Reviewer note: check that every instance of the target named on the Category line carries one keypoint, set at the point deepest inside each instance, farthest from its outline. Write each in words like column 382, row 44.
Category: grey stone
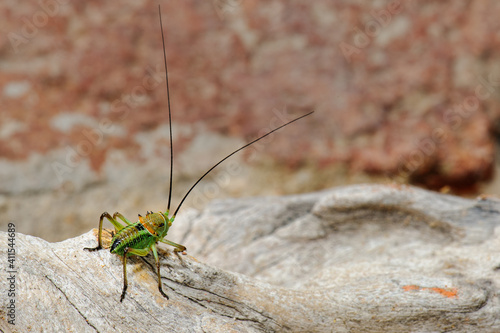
column 365, row 258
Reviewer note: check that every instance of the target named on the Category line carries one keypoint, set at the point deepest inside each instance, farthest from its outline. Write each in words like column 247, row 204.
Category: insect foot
column 91, row 249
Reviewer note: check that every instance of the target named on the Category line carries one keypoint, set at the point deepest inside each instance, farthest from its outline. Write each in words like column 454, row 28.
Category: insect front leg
column 129, row 251
column 178, row 247
column 118, row 226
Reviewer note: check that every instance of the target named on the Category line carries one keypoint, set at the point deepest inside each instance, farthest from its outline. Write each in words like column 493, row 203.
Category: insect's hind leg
column 118, row 226
column 121, row 217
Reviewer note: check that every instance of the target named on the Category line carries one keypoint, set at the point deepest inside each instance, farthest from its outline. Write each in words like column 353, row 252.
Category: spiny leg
column 118, row 226
column 155, row 253
column 178, row 247
column 129, row 251
column 121, row 217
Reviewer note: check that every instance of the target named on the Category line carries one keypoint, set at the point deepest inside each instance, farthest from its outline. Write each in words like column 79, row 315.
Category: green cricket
column 141, row 237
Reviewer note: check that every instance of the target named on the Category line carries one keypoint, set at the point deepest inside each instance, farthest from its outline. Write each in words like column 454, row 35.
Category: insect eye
column 161, row 225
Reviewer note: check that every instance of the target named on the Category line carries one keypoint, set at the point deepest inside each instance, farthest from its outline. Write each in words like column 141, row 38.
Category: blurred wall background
column 404, row 92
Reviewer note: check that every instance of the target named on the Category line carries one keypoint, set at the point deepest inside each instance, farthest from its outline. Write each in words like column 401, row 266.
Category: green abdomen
column 134, row 236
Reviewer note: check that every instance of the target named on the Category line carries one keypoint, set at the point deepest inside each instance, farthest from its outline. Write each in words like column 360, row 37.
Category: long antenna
column 169, row 114
column 234, row 152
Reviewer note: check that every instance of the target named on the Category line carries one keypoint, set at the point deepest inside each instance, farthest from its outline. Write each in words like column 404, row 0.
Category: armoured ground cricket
column 141, row 237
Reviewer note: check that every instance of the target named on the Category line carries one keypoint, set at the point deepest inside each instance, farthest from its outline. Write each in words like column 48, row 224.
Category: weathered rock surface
column 352, row 259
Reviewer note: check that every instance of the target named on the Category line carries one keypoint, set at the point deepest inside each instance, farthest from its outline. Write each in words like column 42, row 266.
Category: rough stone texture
column 83, row 101
column 366, row 258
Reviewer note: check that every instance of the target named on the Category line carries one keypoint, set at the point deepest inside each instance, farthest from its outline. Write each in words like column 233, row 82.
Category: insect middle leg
column 157, row 260
column 118, row 226
column 130, row 251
